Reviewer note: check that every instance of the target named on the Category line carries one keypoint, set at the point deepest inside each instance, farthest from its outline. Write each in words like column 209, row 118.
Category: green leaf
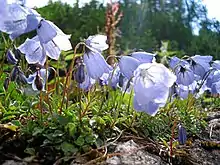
column 9, row 126
column 68, row 148
column 30, row 151
column 80, row 141
column 37, row 131
column 90, row 139
column 71, row 56
column 63, row 120
column 71, row 127
column 57, row 133
column 16, row 123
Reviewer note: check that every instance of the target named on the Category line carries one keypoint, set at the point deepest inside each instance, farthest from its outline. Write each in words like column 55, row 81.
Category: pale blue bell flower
column 97, row 42
column 151, row 87
column 33, row 51
column 128, row 65
column 95, row 63
column 88, row 83
column 181, row 68
column 185, row 75
column 46, row 31
column 216, row 64
column 200, row 64
column 36, row 52
column 17, row 20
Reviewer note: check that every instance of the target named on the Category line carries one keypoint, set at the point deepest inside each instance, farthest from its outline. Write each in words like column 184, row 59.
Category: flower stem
column 69, row 76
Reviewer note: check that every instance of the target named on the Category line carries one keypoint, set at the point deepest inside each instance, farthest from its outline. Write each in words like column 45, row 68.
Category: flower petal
column 128, row 65
column 143, row 57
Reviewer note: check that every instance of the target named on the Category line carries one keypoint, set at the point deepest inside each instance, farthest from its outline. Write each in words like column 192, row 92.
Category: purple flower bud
column 17, row 54
column 14, row 73
column 80, row 73
column 182, row 135
column 6, row 83
column 38, row 82
column 22, row 78
column 121, row 80
column 11, row 57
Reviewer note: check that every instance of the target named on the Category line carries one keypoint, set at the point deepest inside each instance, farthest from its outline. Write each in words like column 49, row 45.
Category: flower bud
column 14, row 73
column 182, row 135
column 22, row 78
column 121, row 80
column 17, row 54
column 80, row 73
column 11, row 57
column 38, row 82
column 6, row 83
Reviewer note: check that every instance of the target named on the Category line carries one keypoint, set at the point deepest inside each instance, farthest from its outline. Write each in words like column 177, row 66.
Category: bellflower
column 213, row 82
column 114, row 77
column 185, row 75
column 200, row 64
column 175, row 62
column 111, row 78
column 35, row 52
column 128, row 65
column 104, row 79
column 47, row 30
column 216, row 64
column 88, row 83
column 93, row 59
column 183, row 91
column 17, row 19
column 151, row 87
column 11, row 57
column 38, row 80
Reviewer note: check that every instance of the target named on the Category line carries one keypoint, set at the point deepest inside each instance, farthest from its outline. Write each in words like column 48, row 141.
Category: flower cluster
column 195, row 75
column 151, row 82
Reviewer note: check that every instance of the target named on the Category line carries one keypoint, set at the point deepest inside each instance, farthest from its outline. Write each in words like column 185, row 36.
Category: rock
column 131, row 154
column 12, row 162
column 213, row 115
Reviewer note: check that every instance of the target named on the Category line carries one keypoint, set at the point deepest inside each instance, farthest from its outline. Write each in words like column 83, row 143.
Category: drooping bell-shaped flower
column 216, row 64
column 128, row 65
column 213, row 82
column 104, row 79
column 35, row 51
column 38, row 80
column 88, row 83
column 200, row 64
column 95, row 63
column 151, row 87
column 97, row 42
column 31, row 23
column 46, row 31
column 185, row 75
column 175, row 61
column 17, row 19
column 18, row 75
